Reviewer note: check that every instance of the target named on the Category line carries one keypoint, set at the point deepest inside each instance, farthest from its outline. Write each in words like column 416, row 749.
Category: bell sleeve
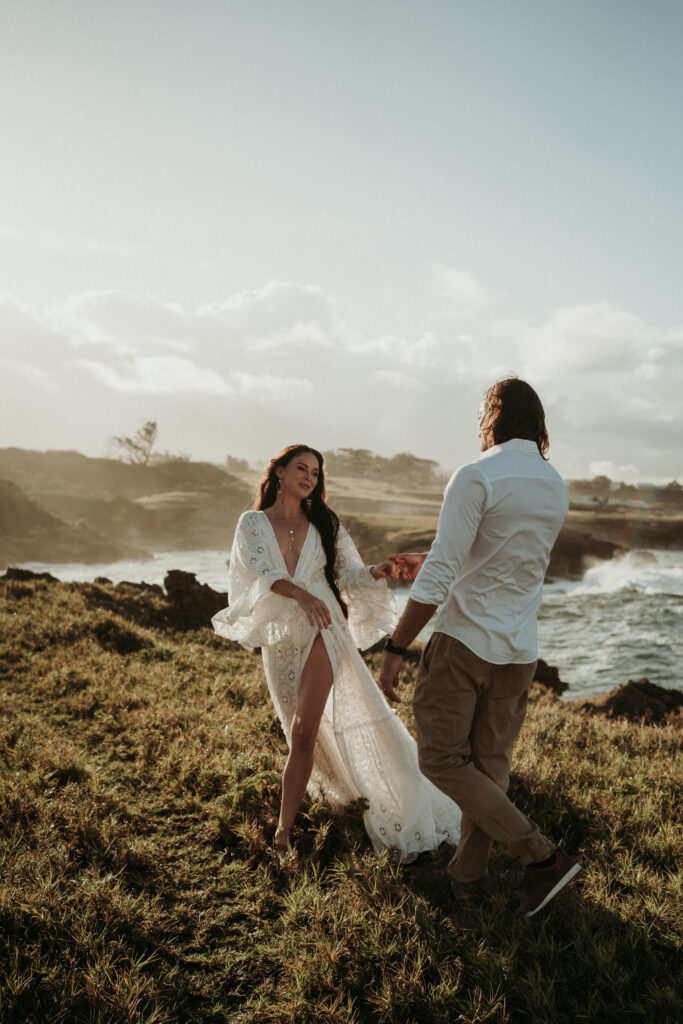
column 372, row 609
column 255, row 616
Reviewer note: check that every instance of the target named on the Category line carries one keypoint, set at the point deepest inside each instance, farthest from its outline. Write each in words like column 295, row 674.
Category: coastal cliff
column 63, row 506
column 28, row 533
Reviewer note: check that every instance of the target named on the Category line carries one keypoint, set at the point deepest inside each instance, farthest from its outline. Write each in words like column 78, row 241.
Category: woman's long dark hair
column 314, row 508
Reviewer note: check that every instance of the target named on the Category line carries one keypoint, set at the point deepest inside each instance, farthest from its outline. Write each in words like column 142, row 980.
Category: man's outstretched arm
column 414, row 618
column 461, row 512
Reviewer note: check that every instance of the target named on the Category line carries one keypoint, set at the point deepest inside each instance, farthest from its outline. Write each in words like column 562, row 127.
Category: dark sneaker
column 541, row 885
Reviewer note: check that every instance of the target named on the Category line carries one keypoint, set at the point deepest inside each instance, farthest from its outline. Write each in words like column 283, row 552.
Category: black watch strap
column 391, row 647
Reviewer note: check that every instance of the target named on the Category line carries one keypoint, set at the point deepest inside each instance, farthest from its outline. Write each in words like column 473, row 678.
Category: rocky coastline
column 65, row 507
column 584, row 539
column 184, row 604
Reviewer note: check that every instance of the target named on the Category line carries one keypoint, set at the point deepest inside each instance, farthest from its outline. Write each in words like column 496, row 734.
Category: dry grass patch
column 139, row 787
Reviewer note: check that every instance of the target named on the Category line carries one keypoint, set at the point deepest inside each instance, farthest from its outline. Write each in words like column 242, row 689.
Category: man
column 484, row 572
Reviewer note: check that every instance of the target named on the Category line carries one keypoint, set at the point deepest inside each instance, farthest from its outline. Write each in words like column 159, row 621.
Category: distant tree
column 578, row 488
column 413, row 471
column 403, row 468
column 600, row 488
column 138, row 448
column 353, row 462
column 672, row 493
column 235, row 465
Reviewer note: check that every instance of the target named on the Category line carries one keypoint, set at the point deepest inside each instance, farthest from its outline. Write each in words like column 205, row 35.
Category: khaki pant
column 468, row 714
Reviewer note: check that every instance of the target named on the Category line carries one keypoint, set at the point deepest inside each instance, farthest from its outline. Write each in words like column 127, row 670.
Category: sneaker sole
column 573, row 871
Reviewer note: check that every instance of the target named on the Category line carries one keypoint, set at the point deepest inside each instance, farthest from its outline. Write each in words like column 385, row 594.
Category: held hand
column 408, row 564
column 384, row 570
column 388, row 676
column 316, row 610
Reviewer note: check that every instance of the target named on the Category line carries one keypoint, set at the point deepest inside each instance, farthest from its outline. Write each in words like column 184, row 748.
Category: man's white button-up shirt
column 499, row 520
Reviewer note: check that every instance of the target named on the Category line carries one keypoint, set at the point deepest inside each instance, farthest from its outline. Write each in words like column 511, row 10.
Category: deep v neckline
column 277, row 545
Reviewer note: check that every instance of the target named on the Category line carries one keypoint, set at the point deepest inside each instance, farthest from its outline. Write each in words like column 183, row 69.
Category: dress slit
column 306, row 654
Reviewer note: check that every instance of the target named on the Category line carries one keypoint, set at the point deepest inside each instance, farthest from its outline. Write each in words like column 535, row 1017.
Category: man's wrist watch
column 392, row 648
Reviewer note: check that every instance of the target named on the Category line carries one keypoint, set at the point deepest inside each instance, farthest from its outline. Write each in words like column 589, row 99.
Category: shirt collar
column 515, row 444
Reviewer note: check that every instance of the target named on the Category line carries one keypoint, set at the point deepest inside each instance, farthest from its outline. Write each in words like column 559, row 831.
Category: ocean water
column 209, row 566
column 623, row 620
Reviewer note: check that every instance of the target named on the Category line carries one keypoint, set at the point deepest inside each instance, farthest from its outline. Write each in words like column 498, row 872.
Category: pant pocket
column 423, row 664
column 510, row 681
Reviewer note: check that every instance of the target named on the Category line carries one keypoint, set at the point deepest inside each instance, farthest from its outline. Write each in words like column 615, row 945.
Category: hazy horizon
column 259, row 224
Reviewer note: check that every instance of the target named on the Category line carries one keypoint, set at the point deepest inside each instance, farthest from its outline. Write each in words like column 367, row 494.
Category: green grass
column 139, row 784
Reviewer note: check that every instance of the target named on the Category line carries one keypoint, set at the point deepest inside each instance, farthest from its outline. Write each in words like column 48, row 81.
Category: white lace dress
column 363, row 747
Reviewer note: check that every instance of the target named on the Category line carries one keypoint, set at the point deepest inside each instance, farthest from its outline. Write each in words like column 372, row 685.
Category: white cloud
column 263, row 367
column 611, row 384
column 300, row 335
column 28, row 336
column 280, row 313
column 267, row 387
column 169, row 375
column 124, row 321
column 161, row 375
column 584, row 339
column 450, row 355
column 465, row 292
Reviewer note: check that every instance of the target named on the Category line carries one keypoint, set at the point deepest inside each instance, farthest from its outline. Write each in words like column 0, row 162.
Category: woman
column 299, row 590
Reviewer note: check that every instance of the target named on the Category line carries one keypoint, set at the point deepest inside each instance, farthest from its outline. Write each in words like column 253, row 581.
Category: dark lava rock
column 549, row 677
column 185, row 603
column 640, row 701
column 142, row 587
column 574, row 550
column 194, row 604
column 546, row 685
column 23, row 575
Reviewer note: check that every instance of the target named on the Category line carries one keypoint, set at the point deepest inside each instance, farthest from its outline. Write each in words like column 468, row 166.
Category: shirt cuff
column 422, row 596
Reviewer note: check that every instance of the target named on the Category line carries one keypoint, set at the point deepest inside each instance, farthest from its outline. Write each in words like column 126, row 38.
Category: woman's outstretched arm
column 408, row 564
column 384, row 570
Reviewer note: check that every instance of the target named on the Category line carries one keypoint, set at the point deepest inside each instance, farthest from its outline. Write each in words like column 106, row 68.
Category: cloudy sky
column 336, row 221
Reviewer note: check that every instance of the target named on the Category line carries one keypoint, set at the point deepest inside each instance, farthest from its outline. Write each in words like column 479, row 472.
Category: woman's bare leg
column 316, row 682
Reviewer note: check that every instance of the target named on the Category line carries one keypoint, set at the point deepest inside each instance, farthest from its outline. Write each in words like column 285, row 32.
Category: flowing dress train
column 363, row 748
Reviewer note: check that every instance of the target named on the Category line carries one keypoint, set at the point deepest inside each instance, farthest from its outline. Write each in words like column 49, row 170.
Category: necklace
column 292, row 533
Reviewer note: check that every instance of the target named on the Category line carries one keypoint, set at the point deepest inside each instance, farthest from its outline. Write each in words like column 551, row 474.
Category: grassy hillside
column 139, row 793
column 29, row 533
column 41, row 474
